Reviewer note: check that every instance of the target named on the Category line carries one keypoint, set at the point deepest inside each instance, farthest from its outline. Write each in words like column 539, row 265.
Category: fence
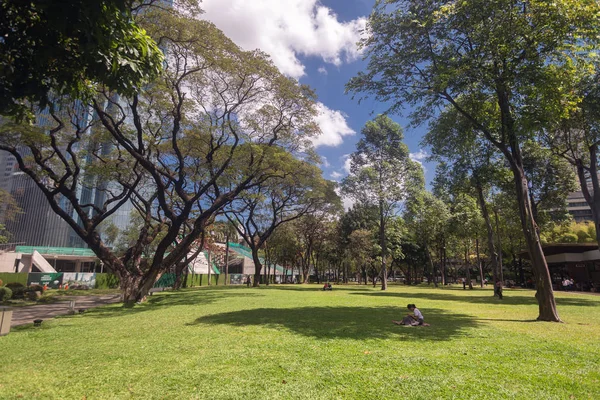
column 10, row 277
column 111, row 281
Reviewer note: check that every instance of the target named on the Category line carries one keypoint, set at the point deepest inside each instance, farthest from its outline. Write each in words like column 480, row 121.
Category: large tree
column 295, row 189
column 428, row 217
column 468, row 163
column 493, row 62
column 382, row 175
column 178, row 152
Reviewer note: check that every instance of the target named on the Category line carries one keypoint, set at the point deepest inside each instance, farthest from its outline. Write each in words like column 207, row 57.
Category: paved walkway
column 26, row 315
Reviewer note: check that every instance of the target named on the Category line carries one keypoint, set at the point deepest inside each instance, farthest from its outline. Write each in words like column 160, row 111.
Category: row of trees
column 467, row 223
column 510, row 71
column 217, row 131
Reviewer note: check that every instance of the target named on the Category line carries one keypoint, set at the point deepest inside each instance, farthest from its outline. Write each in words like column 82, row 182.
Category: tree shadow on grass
column 154, row 302
column 169, row 299
column 347, row 322
column 315, row 288
column 509, row 299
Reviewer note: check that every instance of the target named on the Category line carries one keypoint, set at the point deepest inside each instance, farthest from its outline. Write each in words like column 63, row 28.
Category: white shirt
column 418, row 314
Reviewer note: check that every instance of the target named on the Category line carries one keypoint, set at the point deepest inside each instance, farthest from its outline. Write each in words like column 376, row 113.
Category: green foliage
column 216, row 123
column 574, row 232
column 32, row 295
column 106, row 281
column 66, row 48
column 381, row 172
column 36, row 288
column 5, row 294
column 18, row 289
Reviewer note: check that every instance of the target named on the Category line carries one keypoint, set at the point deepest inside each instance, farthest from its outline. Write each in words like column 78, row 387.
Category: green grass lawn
column 298, row 342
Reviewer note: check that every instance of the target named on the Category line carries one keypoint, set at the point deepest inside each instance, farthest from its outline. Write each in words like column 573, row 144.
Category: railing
column 247, row 252
column 63, row 251
column 10, row 246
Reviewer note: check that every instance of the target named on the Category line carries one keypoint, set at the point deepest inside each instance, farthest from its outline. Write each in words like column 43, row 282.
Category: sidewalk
column 26, row 315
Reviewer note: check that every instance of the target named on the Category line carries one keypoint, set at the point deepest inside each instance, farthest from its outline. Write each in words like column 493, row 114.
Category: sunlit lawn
column 287, row 342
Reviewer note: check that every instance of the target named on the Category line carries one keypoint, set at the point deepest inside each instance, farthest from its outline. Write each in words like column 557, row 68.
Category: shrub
column 106, row 281
column 18, row 290
column 33, row 295
column 47, row 298
column 568, row 238
column 37, row 288
column 5, row 293
column 14, row 285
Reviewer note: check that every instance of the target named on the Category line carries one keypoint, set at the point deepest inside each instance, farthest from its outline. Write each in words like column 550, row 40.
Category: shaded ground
column 346, row 322
column 27, row 314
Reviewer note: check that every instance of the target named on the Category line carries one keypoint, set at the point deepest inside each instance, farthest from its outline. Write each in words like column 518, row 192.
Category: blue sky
column 315, row 42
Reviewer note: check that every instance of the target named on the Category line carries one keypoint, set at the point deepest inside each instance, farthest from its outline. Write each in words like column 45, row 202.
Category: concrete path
column 26, row 315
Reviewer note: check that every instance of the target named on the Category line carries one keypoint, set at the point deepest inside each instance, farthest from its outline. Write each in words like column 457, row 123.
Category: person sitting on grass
column 414, row 319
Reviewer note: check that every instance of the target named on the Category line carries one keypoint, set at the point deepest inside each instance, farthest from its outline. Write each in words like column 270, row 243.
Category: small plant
column 33, row 295
column 18, row 289
column 5, row 294
column 37, row 288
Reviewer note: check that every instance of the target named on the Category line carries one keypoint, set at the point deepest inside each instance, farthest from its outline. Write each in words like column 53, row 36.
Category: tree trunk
column 209, row 267
column 268, row 273
column 490, row 231
column 591, row 197
column 383, row 244
column 479, row 263
column 544, row 293
column 468, row 267
column 179, row 275
column 135, row 288
column 257, row 267
column 431, row 265
column 227, row 259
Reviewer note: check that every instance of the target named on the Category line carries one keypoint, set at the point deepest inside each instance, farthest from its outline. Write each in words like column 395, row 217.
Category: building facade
column 38, row 224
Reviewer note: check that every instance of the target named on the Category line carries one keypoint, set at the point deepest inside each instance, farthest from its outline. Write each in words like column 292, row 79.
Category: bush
column 5, row 293
column 18, row 289
column 568, row 238
column 36, row 288
column 33, row 295
column 106, row 281
column 15, row 285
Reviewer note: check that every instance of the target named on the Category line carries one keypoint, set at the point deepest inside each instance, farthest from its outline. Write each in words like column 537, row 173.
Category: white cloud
column 287, row 29
column 347, row 161
column 322, row 70
column 333, row 127
column 347, row 202
column 325, row 162
column 419, row 156
column 336, row 175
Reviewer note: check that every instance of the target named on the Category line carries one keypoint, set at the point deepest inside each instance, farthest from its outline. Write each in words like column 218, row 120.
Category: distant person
column 248, row 282
column 464, row 282
column 415, row 318
column 498, row 289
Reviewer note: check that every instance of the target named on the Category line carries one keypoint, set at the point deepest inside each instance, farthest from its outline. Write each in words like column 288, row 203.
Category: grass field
column 297, row 342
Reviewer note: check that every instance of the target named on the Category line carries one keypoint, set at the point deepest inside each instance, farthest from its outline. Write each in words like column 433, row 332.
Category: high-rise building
column 578, row 207
column 38, row 224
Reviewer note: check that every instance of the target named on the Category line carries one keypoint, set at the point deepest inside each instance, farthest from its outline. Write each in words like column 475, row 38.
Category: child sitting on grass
column 414, row 319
